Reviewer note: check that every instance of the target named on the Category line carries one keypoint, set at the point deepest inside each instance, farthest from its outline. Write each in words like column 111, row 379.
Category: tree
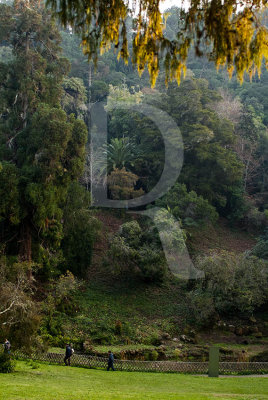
column 231, row 33
column 41, row 148
column 80, row 231
column 98, row 91
column 74, row 97
column 229, row 107
column 119, row 153
column 122, row 94
column 121, row 184
column 18, row 311
column 211, row 168
column 250, row 131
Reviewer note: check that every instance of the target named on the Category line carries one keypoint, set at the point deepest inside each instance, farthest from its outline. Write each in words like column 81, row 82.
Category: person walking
column 7, row 346
column 110, row 361
column 68, row 354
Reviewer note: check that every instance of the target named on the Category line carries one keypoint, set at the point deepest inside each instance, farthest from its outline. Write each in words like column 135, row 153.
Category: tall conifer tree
column 41, row 148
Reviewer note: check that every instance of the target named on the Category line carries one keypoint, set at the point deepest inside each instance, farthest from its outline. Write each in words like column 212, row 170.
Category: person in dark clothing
column 68, row 355
column 7, row 346
column 110, row 361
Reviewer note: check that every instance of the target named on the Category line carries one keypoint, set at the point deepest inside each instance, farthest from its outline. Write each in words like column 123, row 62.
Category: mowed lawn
column 50, row 382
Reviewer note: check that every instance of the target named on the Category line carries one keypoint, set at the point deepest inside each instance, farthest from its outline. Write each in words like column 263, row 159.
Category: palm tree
column 120, row 153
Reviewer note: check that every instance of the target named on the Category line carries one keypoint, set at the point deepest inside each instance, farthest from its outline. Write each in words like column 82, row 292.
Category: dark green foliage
column 232, row 284
column 214, row 166
column 9, row 193
column 43, row 149
column 7, row 364
column 261, row 248
column 80, row 231
column 98, row 91
column 60, row 302
column 210, row 168
column 152, row 356
column 154, row 340
column 191, row 209
column 135, row 253
column 120, row 153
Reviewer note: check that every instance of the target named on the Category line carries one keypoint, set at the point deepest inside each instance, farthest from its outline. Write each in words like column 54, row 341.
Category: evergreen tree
column 41, row 148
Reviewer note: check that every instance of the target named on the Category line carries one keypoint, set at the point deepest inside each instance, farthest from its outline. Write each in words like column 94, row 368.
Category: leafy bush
column 202, row 308
column 151, row 356
column 191, row 209
column 135, row 252
column 261, row 248
column 103, row 338
column 232, row 283
column 153, row 340
column 154, row 355
column 255, row 219
column 7, row 364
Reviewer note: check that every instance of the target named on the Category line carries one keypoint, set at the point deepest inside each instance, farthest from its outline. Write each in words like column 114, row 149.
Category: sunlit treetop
column 232, row 33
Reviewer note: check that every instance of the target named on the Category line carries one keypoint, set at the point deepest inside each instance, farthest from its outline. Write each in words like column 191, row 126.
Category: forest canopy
column 231, row 33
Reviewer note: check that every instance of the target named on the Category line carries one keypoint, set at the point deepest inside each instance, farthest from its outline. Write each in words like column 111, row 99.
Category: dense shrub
column 261, row 248
column 151, row 356
column 202, row 308
column 191, row 209
column 135, row 252
column 7, row 364
column 232, row 283
column 255, row 219
column 154, row 340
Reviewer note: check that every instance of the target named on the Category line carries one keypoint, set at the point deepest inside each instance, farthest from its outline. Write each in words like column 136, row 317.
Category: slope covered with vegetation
column 72, row 272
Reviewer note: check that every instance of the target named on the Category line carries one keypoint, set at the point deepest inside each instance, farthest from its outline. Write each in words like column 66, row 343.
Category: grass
column 104, row 349
column 63, row 383
column 136, row 307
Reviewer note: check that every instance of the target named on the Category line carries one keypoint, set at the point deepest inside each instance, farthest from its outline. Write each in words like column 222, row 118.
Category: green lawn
column 64, row 383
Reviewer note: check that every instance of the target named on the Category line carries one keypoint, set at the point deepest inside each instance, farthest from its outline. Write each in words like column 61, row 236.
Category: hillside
column 222, row 236
column 189, row 153
column 142, row 321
